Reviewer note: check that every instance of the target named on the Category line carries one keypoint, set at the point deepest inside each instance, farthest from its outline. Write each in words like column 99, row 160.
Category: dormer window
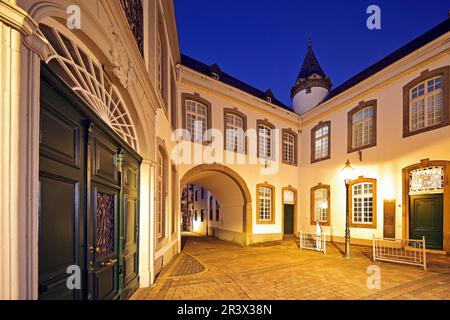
column 269, row 99
column 215, row 76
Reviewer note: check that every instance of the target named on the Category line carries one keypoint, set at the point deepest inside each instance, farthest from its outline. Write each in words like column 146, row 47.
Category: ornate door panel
column 130, row 227
column 103, row 217
column 88, row 200
column 61, row 194
column 426, row 219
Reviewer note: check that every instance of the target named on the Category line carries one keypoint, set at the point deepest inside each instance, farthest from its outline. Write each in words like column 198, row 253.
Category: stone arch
column 207, row 171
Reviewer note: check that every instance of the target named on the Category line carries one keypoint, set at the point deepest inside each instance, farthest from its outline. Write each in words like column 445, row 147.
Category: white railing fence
column 405, row 251
column 313, row 241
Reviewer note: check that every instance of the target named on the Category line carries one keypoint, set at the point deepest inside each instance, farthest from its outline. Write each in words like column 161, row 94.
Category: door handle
column 96, row 250
column 109, row 263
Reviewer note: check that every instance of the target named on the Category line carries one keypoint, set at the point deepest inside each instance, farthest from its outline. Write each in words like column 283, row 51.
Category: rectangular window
column 289, row 148
column 173, row 100
column 427, row 104
column 363, row 128
column 202, row 215
column 160, row 203
column 265, row 204
column 264, row 141
column 320, row 136
column 321, row 205
column 159, row 63
column 235, row 134
column 196, row 120
column 363, row 203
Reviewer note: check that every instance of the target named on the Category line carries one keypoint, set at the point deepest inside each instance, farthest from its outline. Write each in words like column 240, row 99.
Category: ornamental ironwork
column 135, row 15
column 426, row 180
column 84, row 74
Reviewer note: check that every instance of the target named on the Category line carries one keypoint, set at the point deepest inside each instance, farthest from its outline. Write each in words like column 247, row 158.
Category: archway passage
column 233, row 195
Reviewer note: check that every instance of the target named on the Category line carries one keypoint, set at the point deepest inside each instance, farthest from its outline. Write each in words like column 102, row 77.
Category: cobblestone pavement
column 210, row 269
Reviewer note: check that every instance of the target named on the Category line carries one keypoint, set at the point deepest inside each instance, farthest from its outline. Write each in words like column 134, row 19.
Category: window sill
column 351, row 149
column 363, row 226
column 322, row 224
column 319, row 160
column 407, row 133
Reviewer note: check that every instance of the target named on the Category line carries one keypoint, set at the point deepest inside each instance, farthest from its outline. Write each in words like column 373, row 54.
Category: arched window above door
column 84, row 75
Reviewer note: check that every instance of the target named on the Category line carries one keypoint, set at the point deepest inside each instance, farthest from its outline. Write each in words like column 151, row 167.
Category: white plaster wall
column 383, row 162
column 284, row 175
column 303, row 102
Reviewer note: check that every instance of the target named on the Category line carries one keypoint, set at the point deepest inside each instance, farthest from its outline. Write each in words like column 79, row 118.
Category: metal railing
column 313, row 241
column 405, row 251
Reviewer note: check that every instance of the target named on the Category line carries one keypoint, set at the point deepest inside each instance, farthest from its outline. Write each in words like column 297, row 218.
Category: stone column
column 21, row 50
column 146, row 224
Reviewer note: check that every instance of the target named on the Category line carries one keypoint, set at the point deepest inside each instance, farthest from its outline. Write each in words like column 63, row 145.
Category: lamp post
column 347, row 173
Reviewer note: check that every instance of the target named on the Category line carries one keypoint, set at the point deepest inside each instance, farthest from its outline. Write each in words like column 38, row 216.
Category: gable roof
column 230, row 80
column 395, row 56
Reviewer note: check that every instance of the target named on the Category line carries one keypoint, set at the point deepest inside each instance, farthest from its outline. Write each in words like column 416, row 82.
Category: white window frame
column 366, row 123
column 321, row 210
column 265, row 142
column 196, row 115
column 265, row 200
column 322, row 142
column 235, row 135
column 289, row 148
column 422, row 104
column 365, row 200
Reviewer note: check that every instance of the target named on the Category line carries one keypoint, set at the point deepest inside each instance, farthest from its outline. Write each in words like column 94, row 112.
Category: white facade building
column 92, row 153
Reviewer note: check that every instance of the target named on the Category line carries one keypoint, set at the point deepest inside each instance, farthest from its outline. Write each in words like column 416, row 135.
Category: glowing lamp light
column 348, row 172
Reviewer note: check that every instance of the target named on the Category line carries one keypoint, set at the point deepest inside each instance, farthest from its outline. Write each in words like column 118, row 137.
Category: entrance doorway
column 426, row 219
column 289, row 204
column 425, row 203
column 88, row 208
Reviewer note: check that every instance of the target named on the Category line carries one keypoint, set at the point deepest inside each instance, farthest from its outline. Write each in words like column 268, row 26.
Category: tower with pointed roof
column 312, row 84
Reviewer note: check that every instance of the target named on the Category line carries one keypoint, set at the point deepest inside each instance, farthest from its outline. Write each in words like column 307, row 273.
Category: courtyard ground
column 210, row 269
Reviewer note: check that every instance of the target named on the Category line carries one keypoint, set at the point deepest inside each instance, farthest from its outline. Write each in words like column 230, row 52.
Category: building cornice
column 414, row 61
column 303, row 84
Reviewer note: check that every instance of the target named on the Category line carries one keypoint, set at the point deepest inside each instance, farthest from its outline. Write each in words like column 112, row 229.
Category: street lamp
column 348, row 173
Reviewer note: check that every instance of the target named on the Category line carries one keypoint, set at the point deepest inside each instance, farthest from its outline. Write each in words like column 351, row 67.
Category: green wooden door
column 88, row 200
column 62, row 164
column 426, row 219
column 288, row 219
column 129, row 240
column 103, row 216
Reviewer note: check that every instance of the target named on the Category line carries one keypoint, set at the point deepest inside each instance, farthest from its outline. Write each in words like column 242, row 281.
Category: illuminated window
column 196, row 119
column 235, row 133
column 427, row 104
column 265, row 140
column 289, row 147
column 363, row 126
column 265, row 204
column 320, row 204
column 363, row 202
column 320, row 136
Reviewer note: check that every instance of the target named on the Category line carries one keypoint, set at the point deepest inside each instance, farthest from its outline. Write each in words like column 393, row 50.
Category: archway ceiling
column 225, row 189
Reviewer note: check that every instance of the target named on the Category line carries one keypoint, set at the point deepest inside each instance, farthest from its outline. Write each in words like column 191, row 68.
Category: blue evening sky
column 263, row 42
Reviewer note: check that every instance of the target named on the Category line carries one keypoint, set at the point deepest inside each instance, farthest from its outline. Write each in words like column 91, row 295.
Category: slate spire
column 310, row 64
